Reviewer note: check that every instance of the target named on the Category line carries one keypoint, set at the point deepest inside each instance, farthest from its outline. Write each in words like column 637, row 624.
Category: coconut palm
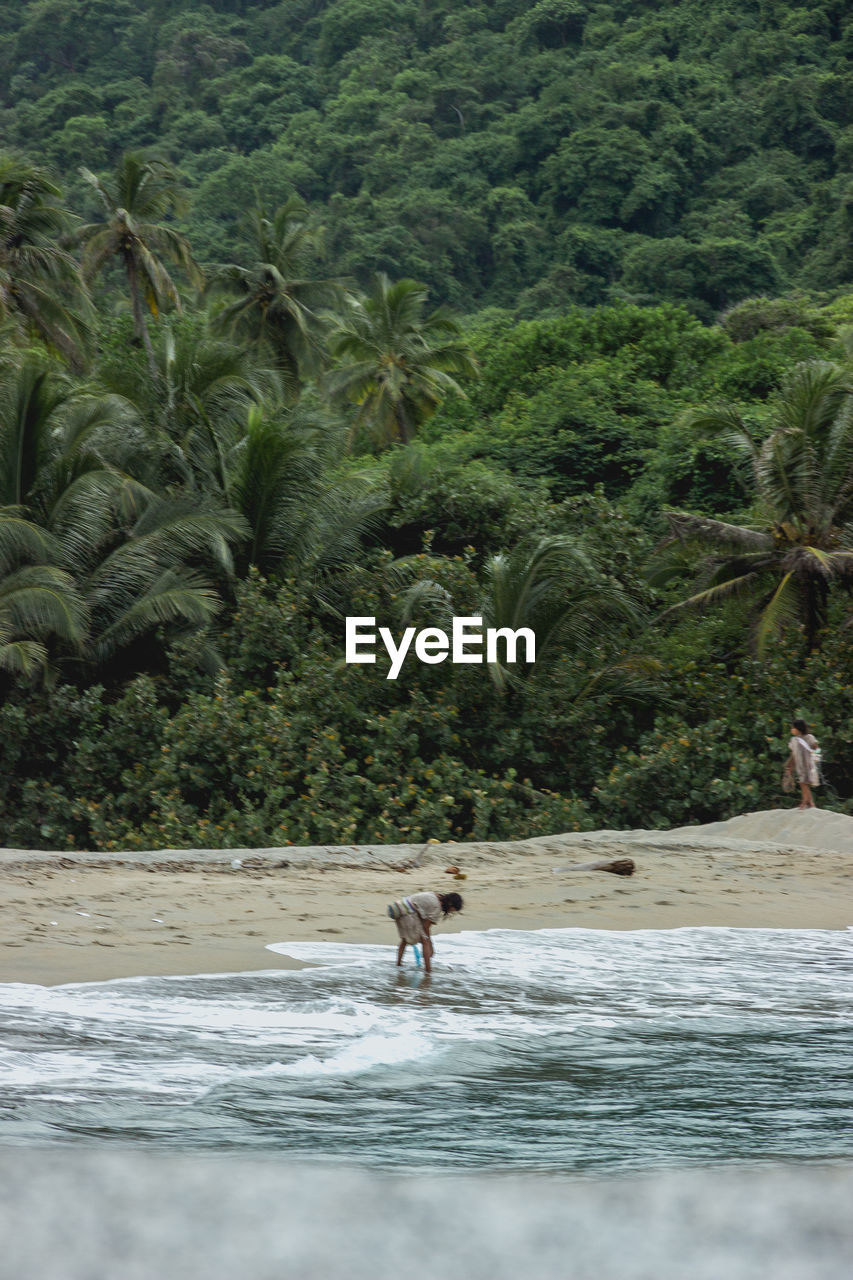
column 553, row 586
column 196, row 413
column 41, row 288
column 38, row 601
column 277, row 301
column 394, row 362
column 163, row 572
column 306, row 516
column 801, row 540
column 137, row 559
column 59, row 442
column 136, row 199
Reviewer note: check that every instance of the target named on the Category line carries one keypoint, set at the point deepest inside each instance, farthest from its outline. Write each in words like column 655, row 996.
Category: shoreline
column 95, row 917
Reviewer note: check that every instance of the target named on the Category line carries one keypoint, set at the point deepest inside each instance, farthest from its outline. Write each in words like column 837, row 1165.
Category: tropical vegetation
column 535, row 313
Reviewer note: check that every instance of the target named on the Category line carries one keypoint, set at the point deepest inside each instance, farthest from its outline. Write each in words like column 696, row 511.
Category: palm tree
column 38, row 601
column 394, row 362
column 40, row 283
column 136, row 199
column 138, row 560
column 306, row 517
column 161, row 573
column 198, row 407
column 277, row 302
column 55, row 438
column 801, row 541
column 553, row 586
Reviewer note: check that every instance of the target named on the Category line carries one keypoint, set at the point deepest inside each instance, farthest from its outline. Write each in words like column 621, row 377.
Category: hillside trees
column 278, row 303
column 41, row 289
column 801, row 543
column 681, row 152
column 209, row 506
column 395, row 362
column 291, row 744
column 595, row 397
column 126, row 558
column 135, row 200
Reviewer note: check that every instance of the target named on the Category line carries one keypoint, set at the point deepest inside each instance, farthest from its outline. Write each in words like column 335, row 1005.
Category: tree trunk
column 402, row 423
column 816, row 612
column 140, row 328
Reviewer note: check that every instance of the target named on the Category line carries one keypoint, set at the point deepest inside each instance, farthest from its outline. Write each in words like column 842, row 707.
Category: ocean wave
column 561, row 1049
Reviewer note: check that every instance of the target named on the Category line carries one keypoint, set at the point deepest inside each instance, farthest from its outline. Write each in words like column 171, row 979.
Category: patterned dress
column 410, row 924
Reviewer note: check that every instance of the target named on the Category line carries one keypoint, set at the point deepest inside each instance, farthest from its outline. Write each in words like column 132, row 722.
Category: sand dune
column 808, row 829
column 91, row 916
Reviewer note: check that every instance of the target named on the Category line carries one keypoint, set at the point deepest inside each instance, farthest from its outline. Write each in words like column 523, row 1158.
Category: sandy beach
column 91, row 917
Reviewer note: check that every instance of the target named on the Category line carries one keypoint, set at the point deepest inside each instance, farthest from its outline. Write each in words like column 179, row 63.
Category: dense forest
column 508, row 154
column 535, row 312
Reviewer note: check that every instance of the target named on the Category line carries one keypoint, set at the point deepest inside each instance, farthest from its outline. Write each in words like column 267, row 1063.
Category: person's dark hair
column 450, row 902
column 801, row 725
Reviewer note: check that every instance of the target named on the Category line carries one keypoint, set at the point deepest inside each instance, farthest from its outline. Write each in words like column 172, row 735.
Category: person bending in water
column 415, row 917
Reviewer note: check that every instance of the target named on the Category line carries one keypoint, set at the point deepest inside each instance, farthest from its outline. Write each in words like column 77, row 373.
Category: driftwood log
column 616, row 866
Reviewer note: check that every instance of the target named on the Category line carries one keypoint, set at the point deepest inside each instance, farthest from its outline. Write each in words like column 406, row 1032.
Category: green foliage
column 775, row 315
column 41, row 290
column 713, row 273
column 591, row 185
column 520, row 155
column 278, row 304
column 238, row 769
column 453, row 505
column 293, row 746
column 65, row 753
column 395, row 362
column 313, row 757
column 723, row 754
column 802, row 542
column 596, row 397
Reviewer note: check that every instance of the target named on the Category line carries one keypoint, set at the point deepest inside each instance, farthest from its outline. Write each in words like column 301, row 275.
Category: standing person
column 802, row 761
column 415, row 917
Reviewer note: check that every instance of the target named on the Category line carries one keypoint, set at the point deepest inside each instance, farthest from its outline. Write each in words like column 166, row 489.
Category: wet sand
column 93, row 917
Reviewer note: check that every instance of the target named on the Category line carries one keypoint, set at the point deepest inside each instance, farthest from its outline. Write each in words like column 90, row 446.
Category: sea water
column 561, row 1050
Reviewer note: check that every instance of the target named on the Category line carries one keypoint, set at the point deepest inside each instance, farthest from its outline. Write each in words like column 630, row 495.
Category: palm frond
column 637, row 679
column 724, row 422
column 703, row 529
column 745, row 584
column 21, row 657
column 23, row 541
column 555, row 588
column 41, row 288
column 425, row 599
column 171, row 599
column 30, row 396
column 90, row 511
column 41, row 600
column 780, row 609
column 169, row 534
